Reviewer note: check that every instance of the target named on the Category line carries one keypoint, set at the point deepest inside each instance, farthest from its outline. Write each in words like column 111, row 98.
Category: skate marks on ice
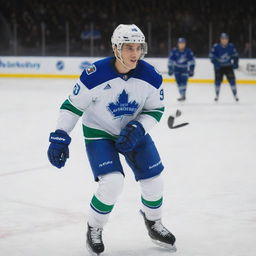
column 147, row 251
column 44, row 212
column 57, row 217
column 33, row 223
column 32, row 169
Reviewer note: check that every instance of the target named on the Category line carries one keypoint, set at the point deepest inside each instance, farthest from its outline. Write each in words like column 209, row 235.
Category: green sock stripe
column 152, row 204
column 68, row 106
column 101, row 207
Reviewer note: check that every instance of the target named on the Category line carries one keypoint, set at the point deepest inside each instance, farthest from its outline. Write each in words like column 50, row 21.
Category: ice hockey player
column 120, row 99
column 182, row 64
column 224, row 58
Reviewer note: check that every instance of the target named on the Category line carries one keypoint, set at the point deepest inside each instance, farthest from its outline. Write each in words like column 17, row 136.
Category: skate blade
column 171, row 248
column 92, row 253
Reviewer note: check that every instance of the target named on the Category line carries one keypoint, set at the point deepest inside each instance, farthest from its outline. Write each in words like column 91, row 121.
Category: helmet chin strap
column 120, row 59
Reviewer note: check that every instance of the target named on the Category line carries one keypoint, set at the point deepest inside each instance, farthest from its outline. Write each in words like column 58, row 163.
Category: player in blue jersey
column 182, row 64
column 224, row 58
column 120, row 99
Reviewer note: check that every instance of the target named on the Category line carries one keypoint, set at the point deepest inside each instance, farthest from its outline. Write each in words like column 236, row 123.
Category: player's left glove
column 130, row 136
column 191, row 73
column 58, row 151
column 170, row 70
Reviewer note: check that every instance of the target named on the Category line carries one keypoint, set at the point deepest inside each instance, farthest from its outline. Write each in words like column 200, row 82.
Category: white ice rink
column 210, row 177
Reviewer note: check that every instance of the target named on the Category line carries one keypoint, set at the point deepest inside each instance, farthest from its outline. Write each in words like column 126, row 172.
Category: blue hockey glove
column 130, row 136
column 170, row 73
column 58, row 151
column 235, row 66
column 191, row 73
column 216, row 64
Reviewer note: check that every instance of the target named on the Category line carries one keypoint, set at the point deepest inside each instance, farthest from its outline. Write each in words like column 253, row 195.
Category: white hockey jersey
column 108, row 100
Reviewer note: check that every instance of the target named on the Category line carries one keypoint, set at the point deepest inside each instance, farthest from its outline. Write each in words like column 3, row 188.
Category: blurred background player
column 182, row 64
column 224, row 57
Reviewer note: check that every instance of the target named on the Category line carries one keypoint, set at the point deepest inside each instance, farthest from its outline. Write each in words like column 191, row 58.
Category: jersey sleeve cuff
column 149, row 119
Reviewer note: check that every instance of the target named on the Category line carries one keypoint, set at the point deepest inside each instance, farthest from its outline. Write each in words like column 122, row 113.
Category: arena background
column 83, row 28
column 75, row 28
column 209, row 197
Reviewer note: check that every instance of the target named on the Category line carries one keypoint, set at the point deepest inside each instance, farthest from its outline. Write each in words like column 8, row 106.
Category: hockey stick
column 171, row 120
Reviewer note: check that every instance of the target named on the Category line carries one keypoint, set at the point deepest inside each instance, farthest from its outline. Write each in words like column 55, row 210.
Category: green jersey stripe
column 68, row 106
column 91, row 134
column 159, row 109
column 101, row 207
column 156, row 113
column 152, row 204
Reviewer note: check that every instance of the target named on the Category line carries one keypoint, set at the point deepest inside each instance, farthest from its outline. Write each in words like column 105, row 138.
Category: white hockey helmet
column 128, row 34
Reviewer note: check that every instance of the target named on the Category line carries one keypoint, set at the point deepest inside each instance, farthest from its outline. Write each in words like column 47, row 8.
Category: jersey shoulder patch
column 148, row 73
column 90, row 69
column 98, row 73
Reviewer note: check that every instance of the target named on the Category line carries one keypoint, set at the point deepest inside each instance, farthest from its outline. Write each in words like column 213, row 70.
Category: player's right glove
column 235, row 66
column 130, row 136
column 216, row 64
column 58, row 151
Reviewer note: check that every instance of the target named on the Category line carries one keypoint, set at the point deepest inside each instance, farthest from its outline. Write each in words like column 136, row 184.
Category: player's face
column 131, row 54
column 181, row 46
column 224, row 41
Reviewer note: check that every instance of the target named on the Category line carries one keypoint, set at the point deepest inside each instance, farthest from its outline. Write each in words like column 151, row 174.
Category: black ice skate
column 159, row 234
column 216, row 98
column 94, row 241
column 236, row 98
column 182, row 98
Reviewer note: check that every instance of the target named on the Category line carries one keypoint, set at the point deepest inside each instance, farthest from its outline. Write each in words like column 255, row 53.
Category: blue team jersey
column 181, row 60
column 224, row 56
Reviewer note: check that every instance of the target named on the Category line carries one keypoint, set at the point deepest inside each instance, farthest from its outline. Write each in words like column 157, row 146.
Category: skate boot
column 182, row 98
column 94, row 241
column 236, row 98
column 216, row 98
column 159, row 234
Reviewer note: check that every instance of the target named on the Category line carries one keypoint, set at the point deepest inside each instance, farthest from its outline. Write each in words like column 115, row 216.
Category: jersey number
column 162, row 94
column 76, row 89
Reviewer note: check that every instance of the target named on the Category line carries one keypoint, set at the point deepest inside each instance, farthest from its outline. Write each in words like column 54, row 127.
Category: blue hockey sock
column 217, row 89
column 233, row 87
column 182, row 90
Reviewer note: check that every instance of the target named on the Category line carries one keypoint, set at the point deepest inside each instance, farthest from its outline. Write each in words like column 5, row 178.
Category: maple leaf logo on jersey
column 123, row 107
column 224, row 57
column 182, row 59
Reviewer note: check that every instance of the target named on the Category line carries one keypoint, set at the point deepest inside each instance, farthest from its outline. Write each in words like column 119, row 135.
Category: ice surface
column 210, row 177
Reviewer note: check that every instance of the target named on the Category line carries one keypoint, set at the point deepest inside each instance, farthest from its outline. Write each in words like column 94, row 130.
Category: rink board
column 71, row 68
